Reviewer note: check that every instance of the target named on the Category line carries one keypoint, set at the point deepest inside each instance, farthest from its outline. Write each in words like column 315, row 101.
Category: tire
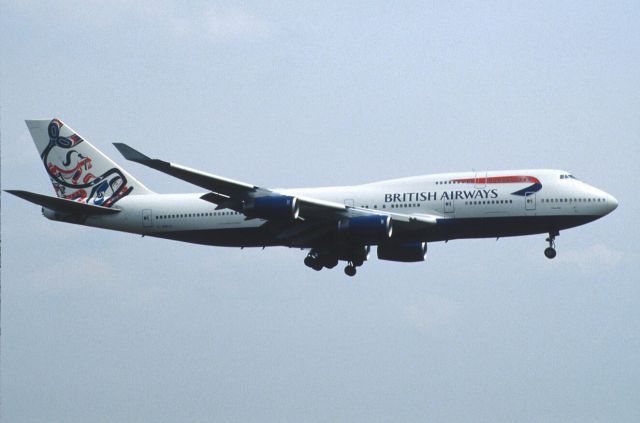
column 350, row 271
column 550, row 252
column 309, row 261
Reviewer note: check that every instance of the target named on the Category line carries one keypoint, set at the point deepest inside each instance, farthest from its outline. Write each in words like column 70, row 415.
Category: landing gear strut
column 550, row 251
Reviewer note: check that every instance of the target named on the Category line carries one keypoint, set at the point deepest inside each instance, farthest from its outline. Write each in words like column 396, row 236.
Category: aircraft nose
column 612, row 203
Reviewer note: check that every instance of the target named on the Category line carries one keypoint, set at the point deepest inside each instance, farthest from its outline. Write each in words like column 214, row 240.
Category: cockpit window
column 567, row 176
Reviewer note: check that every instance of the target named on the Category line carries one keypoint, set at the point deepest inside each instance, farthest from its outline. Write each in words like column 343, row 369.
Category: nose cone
column 612, row 203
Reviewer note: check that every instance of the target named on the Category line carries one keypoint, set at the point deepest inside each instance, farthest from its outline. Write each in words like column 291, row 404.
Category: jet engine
column 406, row 253
column 371, row 229
column 281, row 207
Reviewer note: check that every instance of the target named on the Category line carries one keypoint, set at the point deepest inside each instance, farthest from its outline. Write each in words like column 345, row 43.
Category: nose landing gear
column 550, row 251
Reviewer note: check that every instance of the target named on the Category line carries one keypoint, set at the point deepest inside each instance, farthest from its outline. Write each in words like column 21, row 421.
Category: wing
column 217, row 184
column 231, row 194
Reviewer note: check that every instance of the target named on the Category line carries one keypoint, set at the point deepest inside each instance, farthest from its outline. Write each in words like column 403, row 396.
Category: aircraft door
column 530, row 201
column 146, row 218
column 349, row 202
column 449, row 207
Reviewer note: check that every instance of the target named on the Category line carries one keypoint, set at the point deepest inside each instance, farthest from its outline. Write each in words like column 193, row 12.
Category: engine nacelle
column 366, row 228
column 281, row 207
column 406, row 253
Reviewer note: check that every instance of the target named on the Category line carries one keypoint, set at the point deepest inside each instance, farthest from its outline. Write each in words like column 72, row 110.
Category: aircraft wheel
column 350, row 270
column 309, row 261
column 550, row 252
column 313, row 263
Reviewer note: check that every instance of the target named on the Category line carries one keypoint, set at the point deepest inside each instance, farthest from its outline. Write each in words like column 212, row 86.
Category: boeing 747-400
column 399, row 216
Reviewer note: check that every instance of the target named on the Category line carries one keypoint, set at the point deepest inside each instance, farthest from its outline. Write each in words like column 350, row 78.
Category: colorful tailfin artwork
column 78, row 170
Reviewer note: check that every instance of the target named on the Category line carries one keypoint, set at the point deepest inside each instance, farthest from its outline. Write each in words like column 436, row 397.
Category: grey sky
column 102, row 326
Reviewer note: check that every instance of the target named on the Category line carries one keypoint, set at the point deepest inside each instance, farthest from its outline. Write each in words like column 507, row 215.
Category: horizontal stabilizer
column 62, row 205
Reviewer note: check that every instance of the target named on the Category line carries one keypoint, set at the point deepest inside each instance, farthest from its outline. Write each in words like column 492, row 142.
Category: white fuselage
column 468, row 205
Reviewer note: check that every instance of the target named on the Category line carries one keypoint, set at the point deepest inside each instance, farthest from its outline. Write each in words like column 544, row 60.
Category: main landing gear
column 350, row 268
column 317, row 259
column 550, row 251
column 313, row 262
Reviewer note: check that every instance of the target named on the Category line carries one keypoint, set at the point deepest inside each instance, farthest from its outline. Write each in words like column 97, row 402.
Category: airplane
column 398, row 216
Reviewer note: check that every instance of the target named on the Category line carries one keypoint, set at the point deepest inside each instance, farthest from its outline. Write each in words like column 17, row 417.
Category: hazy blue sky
column 102, row 326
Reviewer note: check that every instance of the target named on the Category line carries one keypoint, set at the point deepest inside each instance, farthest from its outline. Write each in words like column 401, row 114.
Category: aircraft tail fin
column 79, row 171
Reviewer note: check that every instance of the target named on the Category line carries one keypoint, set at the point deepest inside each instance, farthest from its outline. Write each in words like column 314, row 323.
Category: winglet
column 130, row 153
